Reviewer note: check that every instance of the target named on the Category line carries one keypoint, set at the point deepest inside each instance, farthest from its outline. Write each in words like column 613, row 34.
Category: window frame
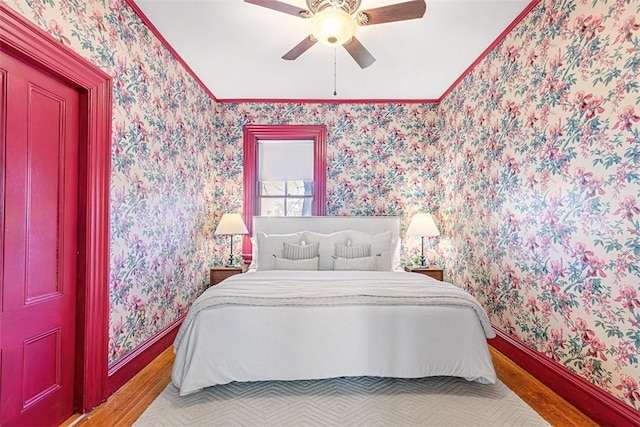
column 254, row 133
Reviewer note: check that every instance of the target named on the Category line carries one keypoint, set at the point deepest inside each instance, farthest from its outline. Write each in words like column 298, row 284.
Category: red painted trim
column 3, row 139
column 127, row 367
column 319, row 205
column 250, row 163
column 600, row 406
column 132, row 4
column 495, row 43
column 326, row 101
column 28, row 42
column 251, row 135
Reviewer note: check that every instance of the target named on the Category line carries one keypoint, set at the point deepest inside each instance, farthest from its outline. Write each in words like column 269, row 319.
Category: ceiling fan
column 334, row 22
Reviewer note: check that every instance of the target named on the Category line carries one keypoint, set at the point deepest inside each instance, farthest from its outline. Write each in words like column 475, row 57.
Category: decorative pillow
column 380, row 244
column 296, row 264
column 355, row 264
column 272, row 244
column 293, row 251
column 326, row 245
column 353, row 251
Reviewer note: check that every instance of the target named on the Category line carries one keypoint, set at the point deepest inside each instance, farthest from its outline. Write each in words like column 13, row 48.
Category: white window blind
column 285, row 160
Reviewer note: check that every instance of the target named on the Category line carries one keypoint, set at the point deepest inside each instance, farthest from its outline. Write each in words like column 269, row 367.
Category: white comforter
column 232, row 328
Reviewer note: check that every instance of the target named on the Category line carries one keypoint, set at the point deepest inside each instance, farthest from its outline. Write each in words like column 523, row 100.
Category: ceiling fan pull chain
column 335, row 73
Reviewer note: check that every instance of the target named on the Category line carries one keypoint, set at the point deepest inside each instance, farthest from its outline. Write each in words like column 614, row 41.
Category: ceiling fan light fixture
column 333, row 26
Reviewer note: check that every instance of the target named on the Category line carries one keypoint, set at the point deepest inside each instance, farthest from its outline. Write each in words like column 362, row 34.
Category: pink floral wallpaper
column 539, row 161
column 380, row 157
column 530, row 166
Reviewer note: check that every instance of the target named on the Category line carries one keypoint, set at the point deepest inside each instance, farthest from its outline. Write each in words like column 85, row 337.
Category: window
column 285, row 178
column 287, row 190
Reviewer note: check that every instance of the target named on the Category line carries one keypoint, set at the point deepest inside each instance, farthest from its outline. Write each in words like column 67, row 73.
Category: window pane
column 272, row 207
column 272, row 188
column 307, row 206
column 299, row 206
column 299, row 188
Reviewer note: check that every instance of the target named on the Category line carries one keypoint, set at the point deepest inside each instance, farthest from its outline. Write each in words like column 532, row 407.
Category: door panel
column 42, row 366
column 39, row 246
column 43, row 160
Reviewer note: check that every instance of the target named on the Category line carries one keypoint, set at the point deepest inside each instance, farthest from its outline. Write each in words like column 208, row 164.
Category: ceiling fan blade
column 395, row 12
column 299, row 49
column 359, row 53
column 279, row 6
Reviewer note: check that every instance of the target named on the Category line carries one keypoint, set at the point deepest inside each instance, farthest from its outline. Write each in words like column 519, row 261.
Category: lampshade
column 422, row 225
column 333, row 26
column 231, row 223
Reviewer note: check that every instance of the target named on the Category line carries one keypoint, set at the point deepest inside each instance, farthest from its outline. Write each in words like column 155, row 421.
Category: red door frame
column 251, row 135
column 24, row 40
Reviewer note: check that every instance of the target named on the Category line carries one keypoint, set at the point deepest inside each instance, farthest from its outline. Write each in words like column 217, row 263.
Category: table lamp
column 422, row 225
column 231, row 224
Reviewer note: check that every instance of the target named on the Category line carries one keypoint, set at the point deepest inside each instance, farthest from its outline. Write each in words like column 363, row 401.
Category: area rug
column 359, row 401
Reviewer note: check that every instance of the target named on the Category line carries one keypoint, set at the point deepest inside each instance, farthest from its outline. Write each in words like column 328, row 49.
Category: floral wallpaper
column 539, row 161
column 380, row 157
column 530, row 166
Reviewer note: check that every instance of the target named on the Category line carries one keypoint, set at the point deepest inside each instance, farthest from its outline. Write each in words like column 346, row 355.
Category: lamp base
column 423, row 263
column 230, row 263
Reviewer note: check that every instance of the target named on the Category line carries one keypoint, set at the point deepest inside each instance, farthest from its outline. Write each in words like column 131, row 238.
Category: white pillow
column 296, row 264
column 327, row 244
column 293, row 251
column 272, row 244
column 380, row 245
column 355, row 264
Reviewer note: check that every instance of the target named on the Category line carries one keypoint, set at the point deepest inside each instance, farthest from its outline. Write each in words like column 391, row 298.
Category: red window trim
column 251, row 135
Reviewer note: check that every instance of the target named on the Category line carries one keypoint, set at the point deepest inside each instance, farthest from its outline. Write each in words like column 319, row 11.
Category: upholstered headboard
column 331, row 224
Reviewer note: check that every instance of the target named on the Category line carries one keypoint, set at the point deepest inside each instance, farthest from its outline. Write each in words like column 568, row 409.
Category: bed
column 285, row 320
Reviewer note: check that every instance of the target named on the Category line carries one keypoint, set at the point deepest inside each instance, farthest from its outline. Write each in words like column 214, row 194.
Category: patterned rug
column 361, row 401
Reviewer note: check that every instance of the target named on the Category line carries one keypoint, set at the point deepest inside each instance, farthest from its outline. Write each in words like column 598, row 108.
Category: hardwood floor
column 553, row 408
column 125, row 406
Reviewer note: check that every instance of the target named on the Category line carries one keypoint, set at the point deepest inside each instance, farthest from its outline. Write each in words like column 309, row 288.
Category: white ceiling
column 235, row 48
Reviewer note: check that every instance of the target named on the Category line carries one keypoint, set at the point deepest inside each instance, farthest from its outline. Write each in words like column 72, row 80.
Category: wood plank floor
column 125, row 406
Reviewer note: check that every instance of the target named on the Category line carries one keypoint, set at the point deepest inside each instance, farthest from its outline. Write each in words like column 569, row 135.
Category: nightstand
column 218, row 273
column 434, row 272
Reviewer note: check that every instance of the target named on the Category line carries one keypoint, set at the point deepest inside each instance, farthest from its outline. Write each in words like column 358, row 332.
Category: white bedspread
column 278, row 288
column 208, row 356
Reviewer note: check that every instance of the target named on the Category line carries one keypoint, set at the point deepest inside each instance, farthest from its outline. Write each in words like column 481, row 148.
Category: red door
column 39, row 192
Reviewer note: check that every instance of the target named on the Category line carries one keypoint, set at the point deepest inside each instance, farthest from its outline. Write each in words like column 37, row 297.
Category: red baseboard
column 599, row 405
column 127, row 367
